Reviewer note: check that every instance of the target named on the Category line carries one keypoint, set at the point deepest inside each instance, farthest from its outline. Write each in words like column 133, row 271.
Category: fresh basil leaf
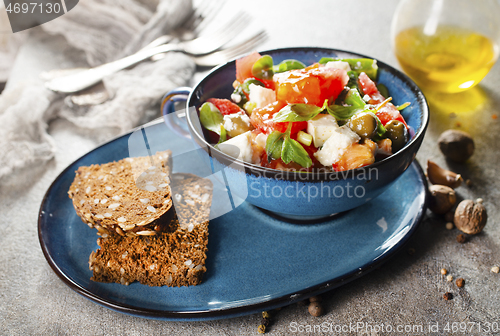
column 211, row 118
column 298, row 112
column 274, row 143
column 263, row 68
column 353, row 98
column 344, row 112
column 292, row 150
column 353, row 80
column 359, row 65
column 289, row 64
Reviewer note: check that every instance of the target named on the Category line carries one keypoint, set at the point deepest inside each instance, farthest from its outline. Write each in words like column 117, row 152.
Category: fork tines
column 202, row 15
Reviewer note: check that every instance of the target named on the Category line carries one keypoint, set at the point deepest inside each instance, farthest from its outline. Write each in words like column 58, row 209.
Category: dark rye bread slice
column 128, row 197
column 173, row 258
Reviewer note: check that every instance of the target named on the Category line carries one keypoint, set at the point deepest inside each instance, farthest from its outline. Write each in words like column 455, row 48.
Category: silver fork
column 229, row 53
column 209, row 60
column 199, row 46
column 193, row 26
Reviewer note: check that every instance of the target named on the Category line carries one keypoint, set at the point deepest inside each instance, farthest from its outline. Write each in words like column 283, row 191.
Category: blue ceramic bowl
column 303, row 195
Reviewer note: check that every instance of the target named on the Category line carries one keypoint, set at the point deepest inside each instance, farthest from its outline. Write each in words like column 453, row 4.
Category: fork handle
column 86, row 78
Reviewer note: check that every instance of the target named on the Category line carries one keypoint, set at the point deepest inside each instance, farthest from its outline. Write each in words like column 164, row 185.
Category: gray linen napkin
column 101, row 29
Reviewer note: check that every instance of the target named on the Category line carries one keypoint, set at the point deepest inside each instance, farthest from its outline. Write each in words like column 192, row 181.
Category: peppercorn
column 449, row 226
column 266, row 315
column 449, row 278
column 315, row 309
column 443, row 271
column 265, row 322
column 460, row 282
column 461, row 238
column 447, row 296
column 261, row 329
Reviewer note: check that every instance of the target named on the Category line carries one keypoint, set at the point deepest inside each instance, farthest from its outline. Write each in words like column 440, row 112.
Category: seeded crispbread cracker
column 128, row 197
column 172, row 258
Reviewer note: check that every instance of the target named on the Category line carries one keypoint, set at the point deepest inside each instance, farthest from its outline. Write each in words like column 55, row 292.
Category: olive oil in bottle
column 452, row 59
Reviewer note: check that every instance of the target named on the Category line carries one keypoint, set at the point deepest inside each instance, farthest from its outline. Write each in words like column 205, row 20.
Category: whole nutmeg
column 456, row 145
column 470, row 217
column 442, row 199
column 315, row 309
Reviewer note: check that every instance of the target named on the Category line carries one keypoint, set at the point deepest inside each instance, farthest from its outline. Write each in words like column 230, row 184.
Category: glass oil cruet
column 446, row 45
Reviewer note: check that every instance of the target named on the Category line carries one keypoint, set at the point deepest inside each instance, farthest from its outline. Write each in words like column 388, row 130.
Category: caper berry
column 364, row 124
column 398, row 133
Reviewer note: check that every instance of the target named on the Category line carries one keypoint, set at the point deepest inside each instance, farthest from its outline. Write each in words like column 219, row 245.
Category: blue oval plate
column 255, row 261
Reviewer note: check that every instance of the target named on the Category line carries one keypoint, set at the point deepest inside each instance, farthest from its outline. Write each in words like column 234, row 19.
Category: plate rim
column 214, row 314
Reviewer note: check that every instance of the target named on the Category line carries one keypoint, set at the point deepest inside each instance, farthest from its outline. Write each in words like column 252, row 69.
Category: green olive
column 364, row 124
column 398, row 133
column 236, row 124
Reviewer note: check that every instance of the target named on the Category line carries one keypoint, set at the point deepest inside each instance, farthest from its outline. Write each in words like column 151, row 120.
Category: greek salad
column 330, row 115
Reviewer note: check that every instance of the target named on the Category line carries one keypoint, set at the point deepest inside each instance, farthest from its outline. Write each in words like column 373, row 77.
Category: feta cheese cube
column 261, row 96
column 338, row 65
column 341, row 139
column 239, row 147
column 260, row 140
column 321, row 128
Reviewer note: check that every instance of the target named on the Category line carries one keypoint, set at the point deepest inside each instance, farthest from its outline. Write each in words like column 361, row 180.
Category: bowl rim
column 319, row 175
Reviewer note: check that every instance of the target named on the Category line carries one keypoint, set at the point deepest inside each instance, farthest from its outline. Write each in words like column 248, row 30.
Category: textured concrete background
column 406, row 291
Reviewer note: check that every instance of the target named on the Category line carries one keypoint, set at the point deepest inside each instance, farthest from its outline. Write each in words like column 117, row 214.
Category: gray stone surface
column 406, row 291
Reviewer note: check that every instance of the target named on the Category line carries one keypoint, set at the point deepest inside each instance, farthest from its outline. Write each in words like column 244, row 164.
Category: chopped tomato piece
column 261, row 119
column 332, row 82
column 296, row 126
column 356, row 156
column 368, row 86
column 244, row 66
column 298, row 87
column 311, row 86
column 386, row 113
column 384, row 147
column 225, row 106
